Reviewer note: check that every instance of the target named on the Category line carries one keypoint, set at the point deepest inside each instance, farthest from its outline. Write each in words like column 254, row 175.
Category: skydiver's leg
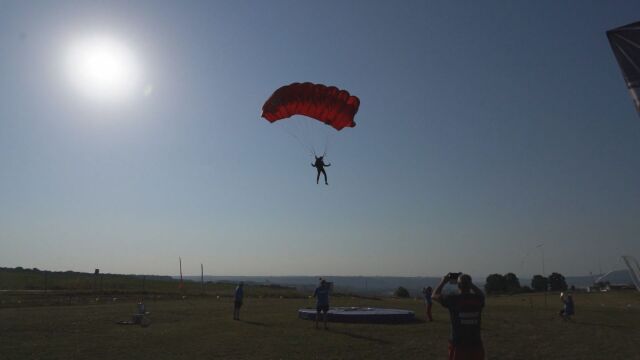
column 325, row 177
column 318, row 177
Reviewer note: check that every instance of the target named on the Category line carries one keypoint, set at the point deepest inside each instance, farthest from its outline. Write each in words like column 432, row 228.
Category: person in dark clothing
column 238, row 296
column 319, row 165
column 465, row 309
column 428, row 292
column 322, row 304
column 568, row 308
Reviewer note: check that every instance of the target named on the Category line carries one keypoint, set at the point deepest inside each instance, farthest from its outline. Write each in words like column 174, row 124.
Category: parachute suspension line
column 297, row 138
column 307, row 147
column 314, row 137
column 308, row 130
column 326, row 144
column 304, row 127
column 327, row 141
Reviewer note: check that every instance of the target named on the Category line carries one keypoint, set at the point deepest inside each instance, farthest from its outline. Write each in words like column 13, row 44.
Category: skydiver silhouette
column 319, row 165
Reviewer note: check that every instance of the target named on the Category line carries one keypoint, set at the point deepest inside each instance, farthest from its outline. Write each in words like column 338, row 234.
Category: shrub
column 401, row 292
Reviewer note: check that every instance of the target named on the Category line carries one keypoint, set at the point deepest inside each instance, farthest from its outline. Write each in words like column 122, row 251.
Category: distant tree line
column 510, row 284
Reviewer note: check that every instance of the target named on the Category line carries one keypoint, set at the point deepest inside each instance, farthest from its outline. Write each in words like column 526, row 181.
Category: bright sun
column 103, row 69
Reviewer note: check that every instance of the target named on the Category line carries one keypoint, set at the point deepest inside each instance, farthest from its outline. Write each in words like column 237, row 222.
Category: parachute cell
column 327, row 104
column 625, row 43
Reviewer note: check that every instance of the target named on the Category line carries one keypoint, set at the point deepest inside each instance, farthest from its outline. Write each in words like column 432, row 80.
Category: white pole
column 181, row 283
column 541, row 247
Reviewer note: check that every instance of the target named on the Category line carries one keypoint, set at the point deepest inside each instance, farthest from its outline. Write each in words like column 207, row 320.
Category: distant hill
column 35, row 279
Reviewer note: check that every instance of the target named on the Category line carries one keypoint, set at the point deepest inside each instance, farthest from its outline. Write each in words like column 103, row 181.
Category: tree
column 495, row 283
column 557, row 282
column 401, row 292
column 539, row 283
column 512, row 282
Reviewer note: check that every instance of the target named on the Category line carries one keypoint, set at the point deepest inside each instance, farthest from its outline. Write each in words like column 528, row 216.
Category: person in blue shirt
column 465, row 309
column 322, row 302
column 238, row 295
column 568, row 308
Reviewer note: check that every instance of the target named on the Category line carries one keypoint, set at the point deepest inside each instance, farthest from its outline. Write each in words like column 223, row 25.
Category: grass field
column 201, row 327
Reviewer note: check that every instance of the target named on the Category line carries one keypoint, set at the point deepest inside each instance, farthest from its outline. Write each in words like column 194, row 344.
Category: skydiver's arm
column 437, row 296
column 313, row 165
column 327, row 165
column 476, row 289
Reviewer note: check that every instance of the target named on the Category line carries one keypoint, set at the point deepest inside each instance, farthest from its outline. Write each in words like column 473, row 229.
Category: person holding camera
column 465, row 309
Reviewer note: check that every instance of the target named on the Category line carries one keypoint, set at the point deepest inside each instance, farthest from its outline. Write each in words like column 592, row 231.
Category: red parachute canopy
column 328, row 104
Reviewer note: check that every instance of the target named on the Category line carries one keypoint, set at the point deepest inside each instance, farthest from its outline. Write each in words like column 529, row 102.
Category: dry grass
column 515, row 327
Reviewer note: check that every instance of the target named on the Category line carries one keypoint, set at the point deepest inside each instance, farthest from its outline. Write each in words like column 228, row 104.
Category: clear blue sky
column 485, row 129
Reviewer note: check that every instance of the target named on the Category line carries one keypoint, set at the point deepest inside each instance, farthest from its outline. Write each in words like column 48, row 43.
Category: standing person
column 141, row 311
column 465, row 310
column 568, row 308
column 322, row 302
column 428, row 302
column 319, row 165
column 238, row 295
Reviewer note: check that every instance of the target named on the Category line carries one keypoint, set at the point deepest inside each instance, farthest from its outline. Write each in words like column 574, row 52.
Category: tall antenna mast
column 181, row 286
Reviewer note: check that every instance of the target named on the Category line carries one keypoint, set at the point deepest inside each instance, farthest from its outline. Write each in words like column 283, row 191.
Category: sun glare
column 103, row 69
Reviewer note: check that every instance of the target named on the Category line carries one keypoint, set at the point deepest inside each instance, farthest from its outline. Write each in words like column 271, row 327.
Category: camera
column 454, row 275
